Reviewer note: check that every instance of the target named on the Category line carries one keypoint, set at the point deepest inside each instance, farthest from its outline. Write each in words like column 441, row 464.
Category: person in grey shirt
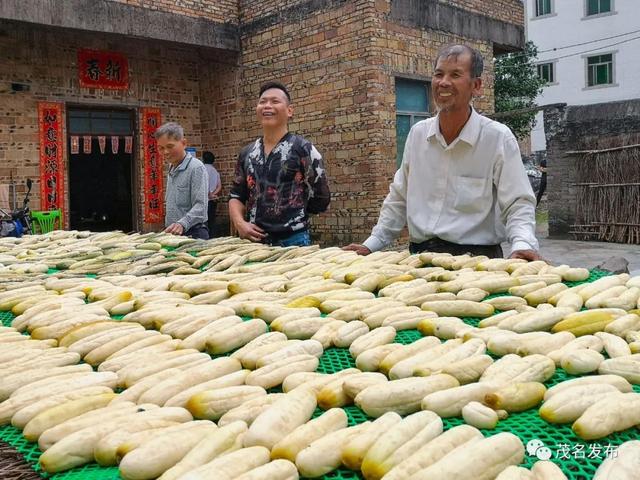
column 215, row 187
column 186, row 194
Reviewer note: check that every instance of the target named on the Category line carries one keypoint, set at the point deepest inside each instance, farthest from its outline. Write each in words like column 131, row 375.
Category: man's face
column 273, row 109
column 171, row 150
column 452, row 85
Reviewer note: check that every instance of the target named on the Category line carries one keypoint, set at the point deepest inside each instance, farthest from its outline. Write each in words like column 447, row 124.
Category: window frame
column 534, row 10
column 411, row 114
column 598, row 15
column 99, row 113
column 613, row 82
column 554, row 73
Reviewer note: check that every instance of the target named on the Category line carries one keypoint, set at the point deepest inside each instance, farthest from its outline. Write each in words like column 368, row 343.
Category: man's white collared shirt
column 472, row 192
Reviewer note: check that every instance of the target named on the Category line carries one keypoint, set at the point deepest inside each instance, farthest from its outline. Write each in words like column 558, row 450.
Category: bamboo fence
column 608, row 194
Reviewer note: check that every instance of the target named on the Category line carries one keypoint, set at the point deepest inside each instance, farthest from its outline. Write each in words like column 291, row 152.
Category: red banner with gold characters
column 51, row 158
column 153, row 197
column 102, row 69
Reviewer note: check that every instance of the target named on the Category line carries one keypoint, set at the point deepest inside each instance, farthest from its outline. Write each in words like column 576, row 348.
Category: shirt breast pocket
column 183, row 196
column 470, row 194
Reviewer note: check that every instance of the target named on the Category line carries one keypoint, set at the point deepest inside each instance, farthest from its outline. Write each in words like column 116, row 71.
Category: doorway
column 100, row 146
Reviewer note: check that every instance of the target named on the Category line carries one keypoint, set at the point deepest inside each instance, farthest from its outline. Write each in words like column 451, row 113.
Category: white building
column 588, row 51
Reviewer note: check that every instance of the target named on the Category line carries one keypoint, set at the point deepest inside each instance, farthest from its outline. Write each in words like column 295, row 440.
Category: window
column 100, row 122
column 545, row 72
column 595, row 7
column 543, row 7
column 412, row 105
column 600, row 70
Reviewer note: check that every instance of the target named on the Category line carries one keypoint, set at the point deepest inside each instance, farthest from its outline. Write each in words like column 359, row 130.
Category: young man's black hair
column 208, row 158
column 277, row 85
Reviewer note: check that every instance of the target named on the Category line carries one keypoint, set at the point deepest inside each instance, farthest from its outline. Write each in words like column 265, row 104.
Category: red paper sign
column 75, row 145
column 51, row 163
column 102, row 143
column 101, row 69
column 86, row 144
column 115, row 144
column 128, row 144
column 153, row 197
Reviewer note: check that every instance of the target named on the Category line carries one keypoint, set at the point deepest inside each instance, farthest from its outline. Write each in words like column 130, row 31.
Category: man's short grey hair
column 172, row 130
column 477, row 63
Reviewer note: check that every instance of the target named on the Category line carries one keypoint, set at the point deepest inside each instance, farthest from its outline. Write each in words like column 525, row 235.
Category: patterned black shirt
column 280, row 191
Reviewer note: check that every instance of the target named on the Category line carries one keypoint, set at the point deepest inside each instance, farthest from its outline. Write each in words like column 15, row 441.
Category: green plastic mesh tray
column 578, row 459
column 570, row 452
column 594, row 275
column 31, row 454
column 6, row 318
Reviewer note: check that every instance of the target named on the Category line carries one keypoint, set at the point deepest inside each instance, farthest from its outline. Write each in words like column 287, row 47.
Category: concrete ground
column 581, row 254
column 588, row 254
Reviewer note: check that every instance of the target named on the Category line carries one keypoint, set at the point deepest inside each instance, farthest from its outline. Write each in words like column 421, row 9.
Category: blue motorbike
column 17, row 222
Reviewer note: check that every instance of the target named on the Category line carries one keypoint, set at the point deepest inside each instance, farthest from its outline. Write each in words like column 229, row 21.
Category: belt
column 197, row 225
column 438, row 245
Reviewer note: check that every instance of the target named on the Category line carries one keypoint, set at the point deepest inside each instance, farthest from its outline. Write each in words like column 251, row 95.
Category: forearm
column 218, row 189
column 391, row 222
column 237, row 211
column 516, row 199
column 521, row 224
column 393, row 214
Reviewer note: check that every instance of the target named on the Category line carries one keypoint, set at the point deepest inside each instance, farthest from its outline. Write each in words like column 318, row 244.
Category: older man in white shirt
column 461, row 186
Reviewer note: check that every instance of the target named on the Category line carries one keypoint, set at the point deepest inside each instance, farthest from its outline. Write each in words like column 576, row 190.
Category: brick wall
column 265, row 12
column 410, row 53
column 322, row 57
column 511, row 11
column 251, row 10
column 224, row 11
column 340, row 63
column 161, row 75
column 222, row 124
column 340, row 59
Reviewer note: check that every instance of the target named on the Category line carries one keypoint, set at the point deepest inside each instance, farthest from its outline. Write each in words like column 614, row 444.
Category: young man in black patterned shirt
column 279, row 179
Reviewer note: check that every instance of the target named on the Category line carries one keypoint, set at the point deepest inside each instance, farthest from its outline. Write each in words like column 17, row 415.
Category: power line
column 590, row 41
column 508, row 67
column 359, row 63
column 599, row 48
column 564, row 47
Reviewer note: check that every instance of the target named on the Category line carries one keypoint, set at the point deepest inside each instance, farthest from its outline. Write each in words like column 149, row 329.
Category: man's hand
column 359, row 249
column 213, row 196
column 175, row 228
column 529, row 255
column 250, row 231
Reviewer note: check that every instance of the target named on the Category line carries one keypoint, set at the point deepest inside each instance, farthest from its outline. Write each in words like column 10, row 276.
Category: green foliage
column 517, row 85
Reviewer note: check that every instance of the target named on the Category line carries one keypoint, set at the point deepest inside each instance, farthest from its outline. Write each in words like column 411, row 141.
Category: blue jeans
column 298, row 239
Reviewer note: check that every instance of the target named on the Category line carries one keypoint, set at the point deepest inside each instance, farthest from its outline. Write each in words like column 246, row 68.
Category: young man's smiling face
column 452, row 85
column 273, row 110
column 171, row 150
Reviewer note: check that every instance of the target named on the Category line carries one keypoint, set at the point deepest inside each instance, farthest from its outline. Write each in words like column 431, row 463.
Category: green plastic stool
column 44, row 222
